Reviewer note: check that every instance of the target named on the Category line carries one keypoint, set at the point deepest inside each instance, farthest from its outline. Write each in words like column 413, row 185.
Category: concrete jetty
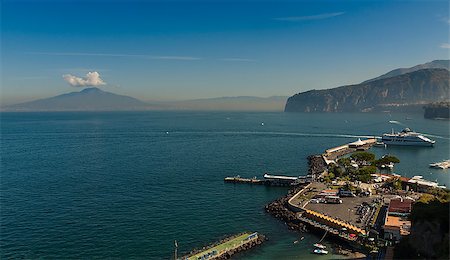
column 272, row 180
column 227, row 247
column 360, row 145
column 238, row 179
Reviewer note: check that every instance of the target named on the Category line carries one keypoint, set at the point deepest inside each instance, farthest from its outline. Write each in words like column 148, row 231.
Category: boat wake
column 396, row 122
column 436, row 136
column 279, row 133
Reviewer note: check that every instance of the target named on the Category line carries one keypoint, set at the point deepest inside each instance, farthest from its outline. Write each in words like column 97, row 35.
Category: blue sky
column 157, row 50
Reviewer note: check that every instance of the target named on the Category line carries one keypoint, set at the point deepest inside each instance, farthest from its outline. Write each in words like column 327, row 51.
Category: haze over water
column 127, row 184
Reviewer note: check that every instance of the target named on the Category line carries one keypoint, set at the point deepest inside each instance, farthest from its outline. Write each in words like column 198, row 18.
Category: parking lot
column 353, row 210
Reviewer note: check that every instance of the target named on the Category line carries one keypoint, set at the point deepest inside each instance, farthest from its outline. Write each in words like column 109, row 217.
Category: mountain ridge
column 417, row 87
column 435, row 64
column 84, row 100
column 95, row 99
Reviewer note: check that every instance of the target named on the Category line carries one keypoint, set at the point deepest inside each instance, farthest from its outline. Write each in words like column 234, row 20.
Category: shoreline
column 284, row 210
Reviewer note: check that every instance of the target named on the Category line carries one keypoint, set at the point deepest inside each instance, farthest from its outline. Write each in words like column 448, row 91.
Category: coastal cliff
column 437, row 110
column 401, row 91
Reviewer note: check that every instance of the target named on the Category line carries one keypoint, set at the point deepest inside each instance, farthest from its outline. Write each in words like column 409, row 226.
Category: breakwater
column 316, row 165
column 227, row 247
column 279, row 208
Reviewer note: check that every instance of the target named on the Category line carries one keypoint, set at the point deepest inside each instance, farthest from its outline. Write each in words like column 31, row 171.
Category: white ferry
column 407, row 137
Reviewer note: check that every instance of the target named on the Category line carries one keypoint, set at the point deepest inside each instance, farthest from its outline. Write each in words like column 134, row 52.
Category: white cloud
column 445, row 46
column 91, row 79
column 309, row 17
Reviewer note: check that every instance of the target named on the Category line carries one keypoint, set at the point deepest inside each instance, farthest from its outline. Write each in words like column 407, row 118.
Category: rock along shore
column 280, row 208
column 227, row 255
column 256, row 242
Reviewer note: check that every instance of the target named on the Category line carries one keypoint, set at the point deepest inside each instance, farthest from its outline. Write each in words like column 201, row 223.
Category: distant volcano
column 89, row 99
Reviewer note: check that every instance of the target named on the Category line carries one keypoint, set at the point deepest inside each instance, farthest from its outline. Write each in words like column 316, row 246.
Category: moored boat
column 441, row 165
column 320, row 251
column 320, row 246
column 379, row 144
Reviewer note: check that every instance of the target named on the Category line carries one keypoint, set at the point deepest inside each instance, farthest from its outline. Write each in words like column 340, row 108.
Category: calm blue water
column 127, row 184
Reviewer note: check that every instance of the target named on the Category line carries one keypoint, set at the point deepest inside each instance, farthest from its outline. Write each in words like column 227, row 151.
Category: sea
column 86, row 185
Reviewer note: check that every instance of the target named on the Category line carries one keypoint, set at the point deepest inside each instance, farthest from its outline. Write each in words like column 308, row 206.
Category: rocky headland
column 437, row 110
column 404, row 90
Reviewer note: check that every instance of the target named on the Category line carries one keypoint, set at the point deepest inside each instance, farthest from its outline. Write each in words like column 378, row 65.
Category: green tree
column 364, row 178
column 443, row 195
column 336, row 170
column 364, row 174
column 331, row 175
column 345, row 162
column 367, row 170
column 386, row 160
column 395, row 183
column 363, row 156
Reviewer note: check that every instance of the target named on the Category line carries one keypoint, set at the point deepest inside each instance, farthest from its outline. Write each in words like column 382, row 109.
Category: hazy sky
column 156, row 50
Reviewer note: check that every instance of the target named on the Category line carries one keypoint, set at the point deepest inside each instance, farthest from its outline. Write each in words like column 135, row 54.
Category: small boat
column 441, row 165
column 320, row 251
column 319, row 246
column 379, row 144
column 302, row 238
column 296, row 241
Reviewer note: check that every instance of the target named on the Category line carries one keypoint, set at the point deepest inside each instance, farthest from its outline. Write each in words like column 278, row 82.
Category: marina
column 357, row 219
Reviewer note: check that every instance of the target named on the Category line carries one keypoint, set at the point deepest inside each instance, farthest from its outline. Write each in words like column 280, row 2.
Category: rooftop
column 393, row 222
column 400, row 205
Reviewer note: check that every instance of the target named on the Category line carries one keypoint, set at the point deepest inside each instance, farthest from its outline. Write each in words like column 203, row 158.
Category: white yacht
column 407, row 137
column 442, row 165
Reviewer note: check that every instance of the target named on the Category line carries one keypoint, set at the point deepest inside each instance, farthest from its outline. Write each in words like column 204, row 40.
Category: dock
column 339, row 151
column 227, row 247
column 238, row 179
column 272, row 180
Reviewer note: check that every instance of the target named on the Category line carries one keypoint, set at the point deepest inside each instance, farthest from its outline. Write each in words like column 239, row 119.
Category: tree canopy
column 386, row 160
column 363, row 156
